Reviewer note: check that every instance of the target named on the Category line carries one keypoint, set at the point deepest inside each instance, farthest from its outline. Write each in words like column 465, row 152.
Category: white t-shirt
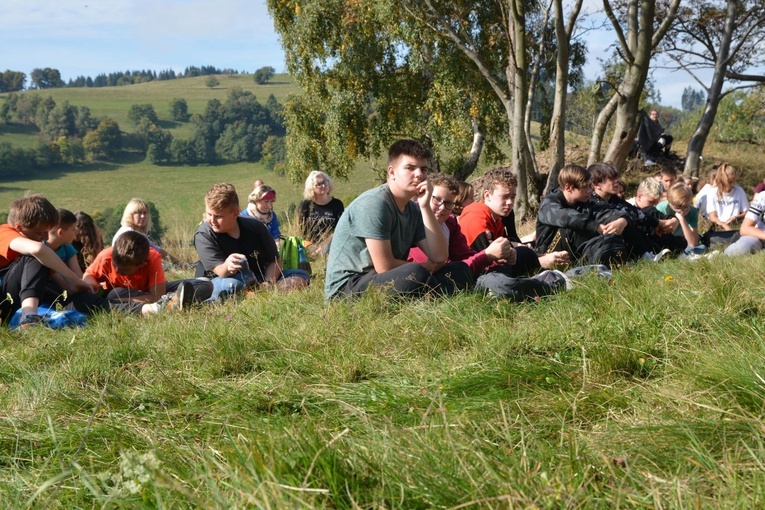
column 701, row 199
column 756, row 210
column 730, row 205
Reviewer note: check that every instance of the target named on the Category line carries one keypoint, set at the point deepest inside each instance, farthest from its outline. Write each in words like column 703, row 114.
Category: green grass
column 645, row 391
column 178, row 192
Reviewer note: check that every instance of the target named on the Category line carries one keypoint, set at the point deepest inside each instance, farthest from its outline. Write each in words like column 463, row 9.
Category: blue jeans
column 226, row 287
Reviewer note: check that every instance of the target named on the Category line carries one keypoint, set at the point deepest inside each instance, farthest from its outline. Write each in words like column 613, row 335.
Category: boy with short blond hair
column 679, row 203
column 648, row 193
column 25, row 262
column 237, row 251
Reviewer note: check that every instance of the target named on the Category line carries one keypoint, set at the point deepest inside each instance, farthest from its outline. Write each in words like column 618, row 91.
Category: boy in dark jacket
column 567, row 219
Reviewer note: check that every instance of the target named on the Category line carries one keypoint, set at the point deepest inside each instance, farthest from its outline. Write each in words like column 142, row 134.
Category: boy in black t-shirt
column 236, row 251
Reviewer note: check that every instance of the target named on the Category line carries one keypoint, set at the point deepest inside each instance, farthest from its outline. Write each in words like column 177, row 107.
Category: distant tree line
column 68, row 134
column 12, row 81
column 50, row 78
column 239, row 129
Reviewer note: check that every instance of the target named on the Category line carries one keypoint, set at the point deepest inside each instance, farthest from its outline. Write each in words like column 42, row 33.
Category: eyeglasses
column 319, row 184
column 438, row 201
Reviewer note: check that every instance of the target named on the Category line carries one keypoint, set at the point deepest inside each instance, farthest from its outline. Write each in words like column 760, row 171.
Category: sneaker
column 649, row 162
column 30, row 319
column 661, row 255
column 181, row 299
column 599, row 269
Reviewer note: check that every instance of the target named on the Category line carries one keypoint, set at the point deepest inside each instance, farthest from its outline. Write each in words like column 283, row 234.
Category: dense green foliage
column 263, row 75
column 641, row 392
column 234, row 130
column 12, row 81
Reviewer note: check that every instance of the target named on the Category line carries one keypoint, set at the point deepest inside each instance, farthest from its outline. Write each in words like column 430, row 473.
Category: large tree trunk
column 640, row 18
column 604, row 117
column 521, row 153
column 714, row 95
column 558, row 121
column 636, row 46
column 626, row 126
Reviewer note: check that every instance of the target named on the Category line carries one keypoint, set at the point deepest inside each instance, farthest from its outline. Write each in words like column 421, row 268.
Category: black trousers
column 23, row 278
column 412, row 279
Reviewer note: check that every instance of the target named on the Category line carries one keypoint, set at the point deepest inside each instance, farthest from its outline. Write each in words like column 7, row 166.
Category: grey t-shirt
column 372, row 215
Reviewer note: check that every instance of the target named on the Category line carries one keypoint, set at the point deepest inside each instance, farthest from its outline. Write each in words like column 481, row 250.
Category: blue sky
column 89, row 37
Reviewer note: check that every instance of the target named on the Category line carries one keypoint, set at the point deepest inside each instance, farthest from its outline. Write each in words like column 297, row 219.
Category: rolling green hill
column 176, row 190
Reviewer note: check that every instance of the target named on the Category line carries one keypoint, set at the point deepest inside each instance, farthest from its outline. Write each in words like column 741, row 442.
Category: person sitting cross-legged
column 236, row 251
column 483, row 222
column 372, row 239
column 568, row 220
column 491, row 267
column 752, row 229
column 131, row 272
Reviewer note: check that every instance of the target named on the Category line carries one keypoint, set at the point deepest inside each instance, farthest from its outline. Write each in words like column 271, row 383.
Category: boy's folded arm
column 381, row 252
column 563, row 217
column 47, row 257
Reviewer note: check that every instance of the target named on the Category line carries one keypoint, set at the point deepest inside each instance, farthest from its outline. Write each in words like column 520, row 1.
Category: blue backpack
column 54, row 319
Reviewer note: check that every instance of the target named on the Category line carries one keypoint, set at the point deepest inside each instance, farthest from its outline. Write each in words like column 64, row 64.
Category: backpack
column 293, row 255
column 607, row 249
column 54, row 319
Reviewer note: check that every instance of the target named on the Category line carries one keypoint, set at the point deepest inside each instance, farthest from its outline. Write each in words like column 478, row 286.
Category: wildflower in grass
column 668, row 278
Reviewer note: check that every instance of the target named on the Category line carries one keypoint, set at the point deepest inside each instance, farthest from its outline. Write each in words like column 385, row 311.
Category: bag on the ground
column 293, row 254
column 54, row 319
column 606, row 249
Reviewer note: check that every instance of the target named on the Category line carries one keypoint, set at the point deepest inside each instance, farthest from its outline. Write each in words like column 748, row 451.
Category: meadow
column 642, row 391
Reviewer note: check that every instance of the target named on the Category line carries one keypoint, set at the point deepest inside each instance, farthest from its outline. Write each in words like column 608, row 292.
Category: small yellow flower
column 668, row 278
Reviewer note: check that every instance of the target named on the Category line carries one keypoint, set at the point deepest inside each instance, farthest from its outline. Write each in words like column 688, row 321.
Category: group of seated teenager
column 39, row 263
column 417, row 233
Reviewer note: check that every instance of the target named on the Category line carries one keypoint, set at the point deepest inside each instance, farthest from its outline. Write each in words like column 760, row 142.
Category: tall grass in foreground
column 643, row 391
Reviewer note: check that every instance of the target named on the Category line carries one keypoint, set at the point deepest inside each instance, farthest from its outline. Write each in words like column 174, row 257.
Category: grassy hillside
column 645, row 391
column 116, row 101
column 177, row 191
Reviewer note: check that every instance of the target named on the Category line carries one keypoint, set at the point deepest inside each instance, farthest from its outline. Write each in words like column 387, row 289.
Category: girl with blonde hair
column 260, row 205
column 319, row 213
column 137, row 218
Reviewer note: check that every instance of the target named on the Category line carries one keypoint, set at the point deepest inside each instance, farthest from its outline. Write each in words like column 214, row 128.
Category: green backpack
column 293, row 255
